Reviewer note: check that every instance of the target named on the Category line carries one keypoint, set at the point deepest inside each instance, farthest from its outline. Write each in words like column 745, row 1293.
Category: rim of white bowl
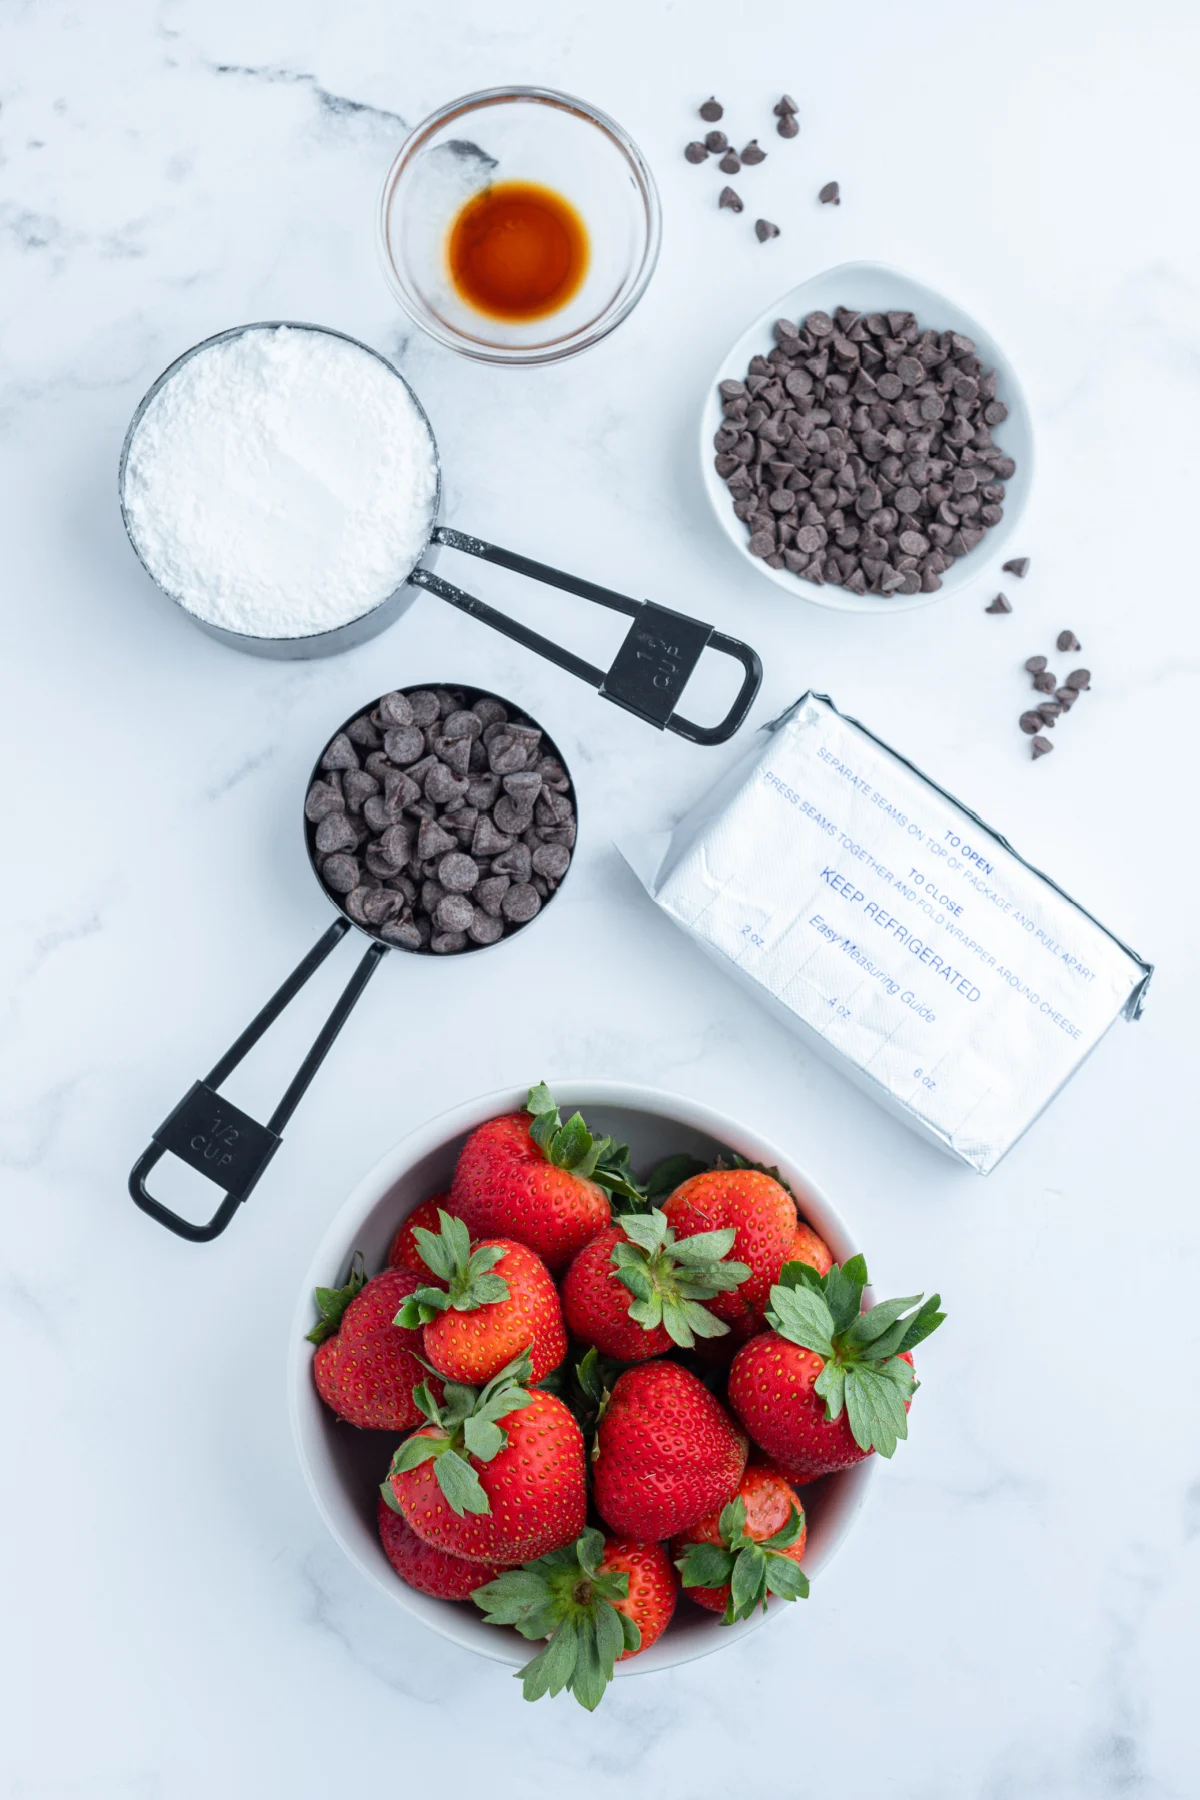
column 454, row 1623
column 757, row 338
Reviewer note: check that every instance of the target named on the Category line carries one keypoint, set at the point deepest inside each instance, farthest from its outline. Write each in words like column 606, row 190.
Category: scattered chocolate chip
column 1019, row 566
column 1030, row 722
column 830, row 194
column 1041, row 747
column 784, row 105
column 1068, row 697
column 1035, row 664
column 1045, row 682
column 1080, row 679
column 1066, row 640
column 424, row 848
column 788, row 125
column 730, row 163
column 763, row 229
column 1001, row 604
column 754, row 153
column 716, row 141
column 712, row 110
column 729, row 199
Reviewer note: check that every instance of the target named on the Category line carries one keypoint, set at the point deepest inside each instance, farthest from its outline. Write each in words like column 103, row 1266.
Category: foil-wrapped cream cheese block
column 894, row 931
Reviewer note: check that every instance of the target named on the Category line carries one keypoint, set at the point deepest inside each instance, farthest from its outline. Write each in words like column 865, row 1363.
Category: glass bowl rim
column 553, row 350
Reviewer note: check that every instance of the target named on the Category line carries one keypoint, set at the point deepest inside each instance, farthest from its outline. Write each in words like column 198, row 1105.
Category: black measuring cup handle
column 653, row 665
column 217, row 1138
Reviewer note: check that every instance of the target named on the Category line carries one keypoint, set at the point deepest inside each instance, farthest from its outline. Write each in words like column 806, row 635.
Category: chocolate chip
column 1066, row 640
column 341, row 873
column 521, row 903
column 1001, row 604
column 1080, row 679
column 341, row 754
column 1045, row 682
column 1041, row 747
column 490, row 893
column 731, row 201
column 1030, row 722
column 552, row 861
column 458, row 874
column 730, row 163
column 716, row 141
column 404, row 744
column 402, row 932
column 712, row 110
column 484, row 929
column 454, row 913
column 443, row 785
column 396, row 709
column 1035, row 664
column 754, row 153
column 516, row 861
column 447, row 943
column 364, row 734
column 1019, row 566
column 830, row 194
column 763, row 229
column 335, row 832
column 1068, row 697
column 785, row 104
column 321, row 800
column 424, row 707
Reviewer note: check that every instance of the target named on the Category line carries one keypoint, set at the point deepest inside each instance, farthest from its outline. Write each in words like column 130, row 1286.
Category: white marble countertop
column 1015, row 1613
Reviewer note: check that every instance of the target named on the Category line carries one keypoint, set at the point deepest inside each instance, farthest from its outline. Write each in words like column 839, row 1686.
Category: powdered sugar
column 281, row 483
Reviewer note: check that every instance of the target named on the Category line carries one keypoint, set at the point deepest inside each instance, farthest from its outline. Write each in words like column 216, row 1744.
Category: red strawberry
column 830, row 1383
column 497, row 1300
column 598, row 1601
column 808, row 1247
column 498, row 1476
column 431, row 1571
column 402, row 1251
column 731, row 1560
column 763, row 1216
column 634, row 1292
column 530, row 1178
column 666, row 1453
column 368, row 1370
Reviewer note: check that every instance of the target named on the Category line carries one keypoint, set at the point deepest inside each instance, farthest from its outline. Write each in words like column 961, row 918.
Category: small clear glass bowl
column 519, row 134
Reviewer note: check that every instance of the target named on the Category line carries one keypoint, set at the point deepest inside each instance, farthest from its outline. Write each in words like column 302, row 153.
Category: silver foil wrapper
column 894, row 931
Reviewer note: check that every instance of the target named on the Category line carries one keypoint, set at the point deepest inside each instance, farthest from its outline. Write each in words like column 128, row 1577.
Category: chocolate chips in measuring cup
column 859, row 451
column 439, row 821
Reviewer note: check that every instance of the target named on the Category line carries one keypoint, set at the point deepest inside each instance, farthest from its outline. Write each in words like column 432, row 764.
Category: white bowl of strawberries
column 596, row 1393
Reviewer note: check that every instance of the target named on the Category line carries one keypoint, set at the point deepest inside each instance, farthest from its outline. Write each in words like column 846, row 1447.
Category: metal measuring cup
column 649, row 673
column 215, row 1137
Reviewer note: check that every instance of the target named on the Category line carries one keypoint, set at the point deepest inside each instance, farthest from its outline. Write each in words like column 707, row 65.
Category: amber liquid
column 517, row 251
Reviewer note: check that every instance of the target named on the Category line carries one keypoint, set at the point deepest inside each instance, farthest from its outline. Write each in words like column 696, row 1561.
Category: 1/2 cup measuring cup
column 215, row 1137
column 648, row 675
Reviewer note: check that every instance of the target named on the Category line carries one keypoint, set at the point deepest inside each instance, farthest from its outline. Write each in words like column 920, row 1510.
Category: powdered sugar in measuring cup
column 279, row 481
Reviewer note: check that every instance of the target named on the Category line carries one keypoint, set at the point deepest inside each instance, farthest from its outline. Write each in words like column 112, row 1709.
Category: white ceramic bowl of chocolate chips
column 866, row 444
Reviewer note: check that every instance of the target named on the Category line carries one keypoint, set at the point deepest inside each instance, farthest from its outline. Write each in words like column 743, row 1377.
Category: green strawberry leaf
column 786, row 1578
column 804, row 1318
column 748, row 1583
column 705, row 1565
column 554, row 1669
column 389, row 1496
column 460, row 1484
column 732, row 1521
column 843, row 1287
column 630, row 1631
column 414, row 1451
column 830, row 1386
column 566, row 1597
column 866, row 1327
column 647, row 1230
column 922, row 1323
column 875, row 1404
column 483, row 1437
column 332, row 1302
column 800, row 1275
column 467, row 1274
